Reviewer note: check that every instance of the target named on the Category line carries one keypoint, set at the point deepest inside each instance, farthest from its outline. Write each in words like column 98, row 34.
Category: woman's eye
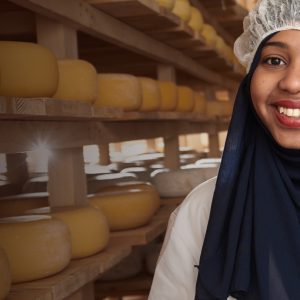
column 274, row 61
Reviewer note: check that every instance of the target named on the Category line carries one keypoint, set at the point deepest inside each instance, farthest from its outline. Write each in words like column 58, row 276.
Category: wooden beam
column 104, row 154
column 82, row 16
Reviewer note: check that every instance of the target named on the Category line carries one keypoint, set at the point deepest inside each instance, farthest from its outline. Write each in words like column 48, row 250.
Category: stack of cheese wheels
column 87, row 225
column 218, row 108
column 27, row 70
column 126, row 209
column 120, row 91
column 200, row 103
column 151, row 94
column 143, row 185
column 168, row 4
column 129, row 267
column 36, row 246
column 209, row 34
column 179, row 183
column 77, row 81
column 196, row 20
column 17, row 204
column 37, row 184
column 168, row 95
column 5, row 277
column 95, row 183
column 182, row 9
column 186, row 99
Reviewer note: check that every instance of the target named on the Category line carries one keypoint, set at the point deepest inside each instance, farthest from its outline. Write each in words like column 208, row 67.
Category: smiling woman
column 244, row 224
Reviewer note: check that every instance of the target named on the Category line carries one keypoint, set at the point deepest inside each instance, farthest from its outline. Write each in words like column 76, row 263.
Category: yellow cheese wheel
column 168, row 95
column 209, row 34
column 182, row 9
column 77, row 81
column 151, row 94
column 127, row 209
column 196, row 20
column 27, row 70
column 220, row 46
column 219, row 108
column 88, row 227
column 36, row 246
column 200, row 103
column 5, row 275
column 18, row 204
column 140, row 185
column 119, row 90
column 168, row 4
column 186, row 100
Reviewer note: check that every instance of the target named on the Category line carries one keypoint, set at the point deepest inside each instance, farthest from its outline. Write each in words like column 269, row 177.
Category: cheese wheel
column 88, row 228
column 209, row 34
column 119, row 90
column 182, row 9
column 219, row 108
column 196, row 20
column 95, row 183
column 77, row 81
column 125, row 210
column 27, row 70
column 151, row 94
column 140, row 185
column 18, row 204
column 5, row 277
column 220, row 46
column 186, row 100
column 179, row 183
column 36, row 246
column 200, row 103
column 168, row 95
column 168, row 4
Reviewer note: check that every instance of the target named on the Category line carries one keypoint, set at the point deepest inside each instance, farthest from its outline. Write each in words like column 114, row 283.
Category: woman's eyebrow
column 276, row 44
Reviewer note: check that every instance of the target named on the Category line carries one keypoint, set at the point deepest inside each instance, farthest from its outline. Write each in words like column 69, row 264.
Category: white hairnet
column 267, row 17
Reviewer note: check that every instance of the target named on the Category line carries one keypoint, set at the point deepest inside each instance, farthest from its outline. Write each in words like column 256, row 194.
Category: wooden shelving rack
column 132, row 36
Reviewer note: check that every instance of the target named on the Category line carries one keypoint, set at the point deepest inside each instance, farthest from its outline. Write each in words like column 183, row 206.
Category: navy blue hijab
column 252, row 244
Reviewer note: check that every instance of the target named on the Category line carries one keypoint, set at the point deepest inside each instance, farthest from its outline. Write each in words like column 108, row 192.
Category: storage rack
column 133, row 36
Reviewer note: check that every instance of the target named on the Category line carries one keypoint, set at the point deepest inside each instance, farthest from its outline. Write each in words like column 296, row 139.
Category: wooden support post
column 67, row 180
column 166, row 73
column 171, row 150
column 59, row 38
column 104, row 154
column 17, row 171
column 214, row 148
column 151, row 145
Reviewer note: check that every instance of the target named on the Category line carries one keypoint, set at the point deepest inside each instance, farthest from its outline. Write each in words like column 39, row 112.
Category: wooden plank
column 76, row 275
column 214, row 147
column 104, row 154
column 82, row 16
column 67, row 179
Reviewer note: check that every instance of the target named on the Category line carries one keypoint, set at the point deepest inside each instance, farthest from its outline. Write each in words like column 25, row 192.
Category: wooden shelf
column 75, row 276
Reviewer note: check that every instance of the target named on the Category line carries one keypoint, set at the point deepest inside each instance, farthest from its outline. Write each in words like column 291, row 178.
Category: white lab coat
column 175, row 275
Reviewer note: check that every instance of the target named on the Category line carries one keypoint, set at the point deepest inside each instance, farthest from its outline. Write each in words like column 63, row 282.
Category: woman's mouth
column 289, row 112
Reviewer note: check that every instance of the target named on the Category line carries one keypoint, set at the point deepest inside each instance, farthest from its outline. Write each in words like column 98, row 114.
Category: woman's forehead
column 285, row 38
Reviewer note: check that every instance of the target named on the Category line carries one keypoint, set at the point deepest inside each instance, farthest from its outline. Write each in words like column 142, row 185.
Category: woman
column 245, row 226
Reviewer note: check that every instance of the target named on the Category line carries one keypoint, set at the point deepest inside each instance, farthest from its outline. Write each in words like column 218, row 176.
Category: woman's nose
column 290, row 81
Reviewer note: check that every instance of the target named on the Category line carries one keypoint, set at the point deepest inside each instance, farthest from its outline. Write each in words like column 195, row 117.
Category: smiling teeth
column 290, row 112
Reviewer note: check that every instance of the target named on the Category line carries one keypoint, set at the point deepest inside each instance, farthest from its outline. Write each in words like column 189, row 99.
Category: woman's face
column 275, row 88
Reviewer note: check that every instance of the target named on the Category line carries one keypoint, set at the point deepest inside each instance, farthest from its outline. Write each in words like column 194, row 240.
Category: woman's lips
column 288, row 113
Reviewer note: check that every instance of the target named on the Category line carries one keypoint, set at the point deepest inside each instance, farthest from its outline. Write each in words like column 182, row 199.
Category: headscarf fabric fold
column 251, row 249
